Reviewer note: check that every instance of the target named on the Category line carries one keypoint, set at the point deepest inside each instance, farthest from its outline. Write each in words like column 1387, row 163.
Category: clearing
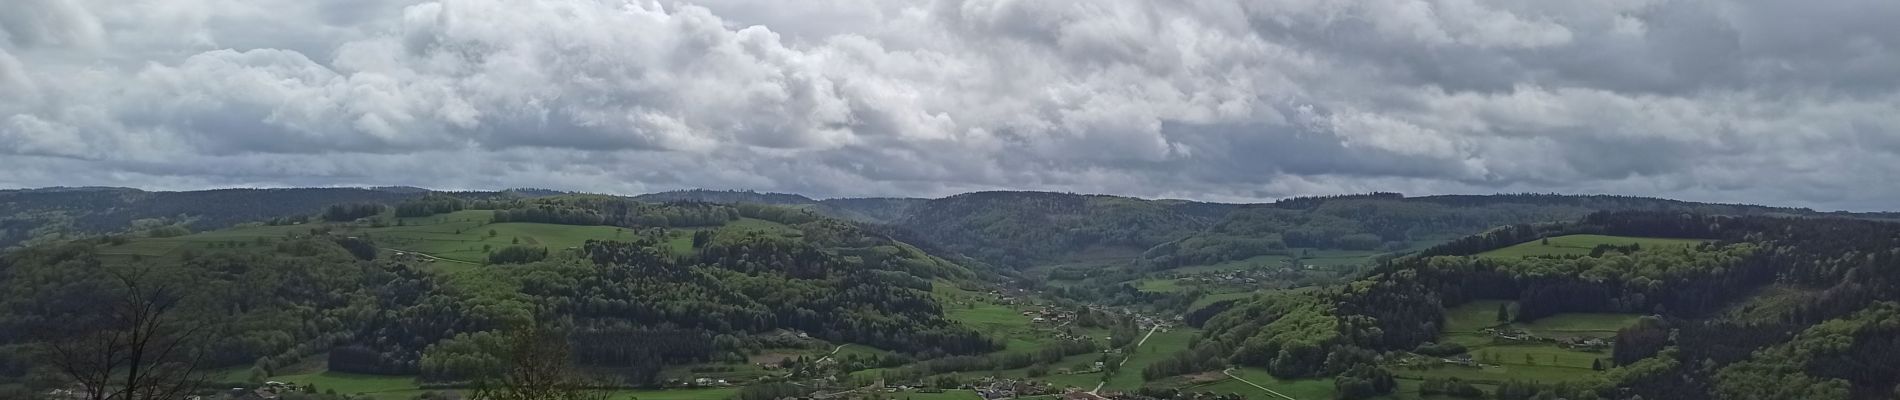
column 1581, row 245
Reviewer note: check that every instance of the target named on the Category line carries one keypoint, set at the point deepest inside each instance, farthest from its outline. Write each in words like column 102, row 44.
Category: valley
column 1350, row 297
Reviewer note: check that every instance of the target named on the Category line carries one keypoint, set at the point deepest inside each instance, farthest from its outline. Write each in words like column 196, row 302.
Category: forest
column 630, row 307
column 1690, row 351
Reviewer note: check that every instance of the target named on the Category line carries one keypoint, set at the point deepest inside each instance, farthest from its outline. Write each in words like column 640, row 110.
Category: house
column 1461, row 359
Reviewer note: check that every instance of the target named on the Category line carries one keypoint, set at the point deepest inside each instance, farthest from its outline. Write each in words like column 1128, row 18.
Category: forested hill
column 1390, row 222
column 60, row 213
column 872, row 209
column 426, row 287
column 1734, row 307
column 726, row 197
column 1002, row 228
column 1023, row 228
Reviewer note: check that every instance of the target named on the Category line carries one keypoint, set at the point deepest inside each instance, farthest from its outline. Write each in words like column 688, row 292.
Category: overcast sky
column 1779, row 102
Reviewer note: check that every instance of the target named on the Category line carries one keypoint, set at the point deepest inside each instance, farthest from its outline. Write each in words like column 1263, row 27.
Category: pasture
column 1506, row 360
column 1303, row 389
column 1581, row 245
column 1160, row 346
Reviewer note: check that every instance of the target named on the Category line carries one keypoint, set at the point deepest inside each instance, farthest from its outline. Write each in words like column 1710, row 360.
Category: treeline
column 89, row 212
column 602, row 210
column 351, row 211
column 1019, row 228
column 429, row 205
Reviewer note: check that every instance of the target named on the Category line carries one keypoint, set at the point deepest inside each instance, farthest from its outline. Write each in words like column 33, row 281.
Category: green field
column 1473, row 316
column 676, row 394
column 1542, row 362
column 975, row 310
column 468, row 242
column 1579, row 245
column 1267, row 261
column 241, row 238
column 346, row 383
column 1303, row 389
column 946, row 395
column 461, row 237
column 1599, row 325
column 1163, row 285
column 1158, row 347
column 1218, row 297
column 1499, row 373
column 1318, row 258
column 382, row 387
column 1477, row 315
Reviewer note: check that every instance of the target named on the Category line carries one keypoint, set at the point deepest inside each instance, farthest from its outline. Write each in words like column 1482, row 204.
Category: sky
column 1771, row 102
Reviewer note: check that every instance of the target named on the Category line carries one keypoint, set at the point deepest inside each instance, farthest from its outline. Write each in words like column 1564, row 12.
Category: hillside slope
column 415, row 289
column 1706, row 337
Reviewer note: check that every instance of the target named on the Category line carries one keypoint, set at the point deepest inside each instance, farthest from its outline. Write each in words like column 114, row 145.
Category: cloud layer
column 1758, row 101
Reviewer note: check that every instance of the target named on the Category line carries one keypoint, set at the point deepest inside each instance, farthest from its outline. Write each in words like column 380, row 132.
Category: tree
column 1504, row 312
column 540, row 367
column 127, row 340
column 1596, row 364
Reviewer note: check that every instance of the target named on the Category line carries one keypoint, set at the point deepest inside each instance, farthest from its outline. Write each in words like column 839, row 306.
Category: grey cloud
column 1224, row 100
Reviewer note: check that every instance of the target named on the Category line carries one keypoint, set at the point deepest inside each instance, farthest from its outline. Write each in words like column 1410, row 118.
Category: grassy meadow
column 1579, row 245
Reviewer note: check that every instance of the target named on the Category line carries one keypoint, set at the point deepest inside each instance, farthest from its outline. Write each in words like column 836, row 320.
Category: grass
column 1579, row 245
column 1601, row 325
column 347, row 383
column 1542, row 362
column 382, row 387
column 1408, row 390
column 1303, row 389
column 1769, row 304
column 1160, row 285
column 1204, row 301
column 946, row 395
column 1539, row 355
column 466, row 235
column 462, row 236
column 1473, row 316
column 239, row 238
column 1267, row 261
column 676, row 394
column 1499, row 373
column 1005, row 322
column 1157, row 348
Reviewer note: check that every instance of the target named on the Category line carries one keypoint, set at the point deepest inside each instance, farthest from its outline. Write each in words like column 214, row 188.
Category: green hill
column 1024, row 228
column 1527, row 322
column 647, row 285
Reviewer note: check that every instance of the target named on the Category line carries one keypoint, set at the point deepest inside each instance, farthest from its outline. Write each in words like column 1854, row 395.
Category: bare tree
column 126, row 341
column 540, row 368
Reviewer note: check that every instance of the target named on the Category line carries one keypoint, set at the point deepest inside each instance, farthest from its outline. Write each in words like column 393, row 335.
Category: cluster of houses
column 1048, row 315
column 1005, row 388
column 1247, row 277
column 1579, row 343
column 268, row 391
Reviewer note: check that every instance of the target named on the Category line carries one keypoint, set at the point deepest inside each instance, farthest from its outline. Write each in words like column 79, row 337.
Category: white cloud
column 1706, row 99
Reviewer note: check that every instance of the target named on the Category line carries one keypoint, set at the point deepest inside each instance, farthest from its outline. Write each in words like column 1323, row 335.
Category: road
column 833, row 352
column 430, row 257
column 1230, row 374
